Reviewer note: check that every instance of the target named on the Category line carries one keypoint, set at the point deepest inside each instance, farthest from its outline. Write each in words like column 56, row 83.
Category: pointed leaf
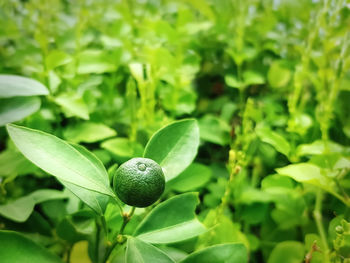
column 13, row 86
column 138, row 251
column 308, row 173
column 17, row 108
column 223, row 253
column 174, row 146
column 273, row 138
column 171, row 221
column 60, row 159
column 88, row 132
column 20, row 209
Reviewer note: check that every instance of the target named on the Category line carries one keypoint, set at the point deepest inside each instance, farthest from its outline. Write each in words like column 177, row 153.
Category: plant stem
column 317, row 213
column 69, row 252
column 126, row 219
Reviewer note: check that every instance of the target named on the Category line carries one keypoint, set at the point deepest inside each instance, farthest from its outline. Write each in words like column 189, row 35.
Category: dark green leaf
column 16, row 248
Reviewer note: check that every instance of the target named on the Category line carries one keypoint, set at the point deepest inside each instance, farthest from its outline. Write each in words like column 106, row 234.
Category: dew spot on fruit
column 141, row 166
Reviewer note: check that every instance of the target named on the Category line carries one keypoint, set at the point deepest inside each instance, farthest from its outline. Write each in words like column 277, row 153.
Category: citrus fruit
column 139, row 182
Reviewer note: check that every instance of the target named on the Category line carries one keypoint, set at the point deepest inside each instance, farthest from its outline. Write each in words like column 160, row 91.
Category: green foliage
column 245, row 102
column 171, row 221
column 29, row 251
column 174, row 147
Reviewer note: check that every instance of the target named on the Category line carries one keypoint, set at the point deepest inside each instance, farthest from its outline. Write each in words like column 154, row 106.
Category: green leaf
column 20, row 209
column 95, row 61
column 122, row 147
column 225, row 231
column 287, row 252
column 233, row 82
column 274, row 139
column 214, row 130
column 88, row 132
column 76, row 227
column 193, row 177
column 171, row 221
column 13, row 86
column 96, row 201
column 73, row 105
column 13, row 163
column 253, row 78
column 57, row 58
column 60, row 159
column 278, row 76
column 16, row 248
column 310, row 174
column 136, row 70
column 318, row 147
column 174, row 146
column 223, row 253
column 17, row 108
column 138, row 251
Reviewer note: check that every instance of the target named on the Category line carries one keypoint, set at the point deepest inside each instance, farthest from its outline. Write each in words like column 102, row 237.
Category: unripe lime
column 139, row 182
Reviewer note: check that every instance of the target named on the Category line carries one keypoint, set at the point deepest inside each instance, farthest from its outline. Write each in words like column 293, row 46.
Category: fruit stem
column 126, row 219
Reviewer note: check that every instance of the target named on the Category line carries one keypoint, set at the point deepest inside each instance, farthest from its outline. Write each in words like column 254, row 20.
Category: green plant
column 139, row 182
column 242, row 103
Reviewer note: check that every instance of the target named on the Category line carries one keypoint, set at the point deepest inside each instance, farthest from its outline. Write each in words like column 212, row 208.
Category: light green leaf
column 13, row 86
column 287, row 252
column 278, row 76
column 20, row 209
column 96, row 201
column 136, row 70
column 274, row 139
column 57, row 58
column 14, row 163
column 122, row 147
column 318, row 147
column 223, row 253
column 203, row 7
column 193, row 177
column 138, row 251
column 17, row 108
column 225, row 231
column 310, row 174
column 88, row 132
column 73, row 106
column 95, row 61
column 171, row 221
column 16, row 248
column 233, row 82
column 253, row 78
column 60, row 159
column 174, row 146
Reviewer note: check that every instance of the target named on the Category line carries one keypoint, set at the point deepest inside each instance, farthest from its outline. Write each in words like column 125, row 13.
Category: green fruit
column 139, row 182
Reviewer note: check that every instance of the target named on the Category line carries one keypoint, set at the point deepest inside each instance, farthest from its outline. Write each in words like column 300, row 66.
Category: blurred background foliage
column 268, row 81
